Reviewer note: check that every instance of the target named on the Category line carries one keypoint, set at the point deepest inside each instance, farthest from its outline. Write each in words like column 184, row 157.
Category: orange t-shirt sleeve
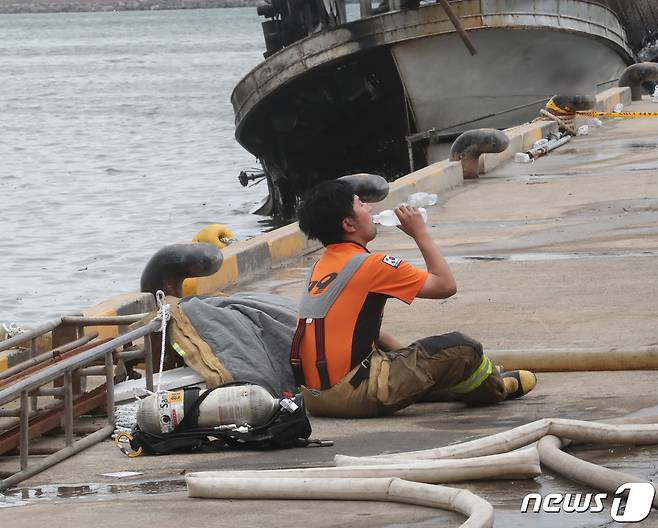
column 394, row 277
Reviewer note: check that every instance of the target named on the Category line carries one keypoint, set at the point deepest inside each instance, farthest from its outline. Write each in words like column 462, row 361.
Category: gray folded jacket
column 250, row 333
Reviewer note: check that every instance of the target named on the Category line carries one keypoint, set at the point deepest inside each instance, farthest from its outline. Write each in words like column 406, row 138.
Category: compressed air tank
column 235, row 404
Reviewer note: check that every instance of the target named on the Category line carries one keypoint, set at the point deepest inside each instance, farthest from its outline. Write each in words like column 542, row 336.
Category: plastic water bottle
column 540, row 143
column 423, row 199
column 388, row 218
column 619, row 108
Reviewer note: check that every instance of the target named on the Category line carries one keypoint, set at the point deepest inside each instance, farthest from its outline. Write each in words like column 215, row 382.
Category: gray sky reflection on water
column 117, row 140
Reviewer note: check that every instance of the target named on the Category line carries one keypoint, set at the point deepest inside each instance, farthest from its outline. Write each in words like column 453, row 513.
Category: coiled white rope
column 12, row 330
column 125, row 417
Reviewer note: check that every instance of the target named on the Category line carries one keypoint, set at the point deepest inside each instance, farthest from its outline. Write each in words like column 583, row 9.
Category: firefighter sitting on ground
column 346, row 365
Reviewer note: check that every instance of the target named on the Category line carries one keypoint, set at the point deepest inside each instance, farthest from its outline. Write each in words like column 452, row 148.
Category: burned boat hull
column 347, row 100
column 512, row 76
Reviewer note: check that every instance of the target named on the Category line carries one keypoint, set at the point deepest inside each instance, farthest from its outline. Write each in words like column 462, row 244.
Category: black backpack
column 286, row 429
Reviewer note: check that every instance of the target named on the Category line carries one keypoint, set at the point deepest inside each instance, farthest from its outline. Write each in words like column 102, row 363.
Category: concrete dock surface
column 558, row 254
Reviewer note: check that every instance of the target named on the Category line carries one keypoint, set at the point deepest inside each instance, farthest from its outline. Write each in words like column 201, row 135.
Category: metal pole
column 21, row 389
column 148, row 362
column 47, row 355
column 81, row 382
column 458, row 26
column 42, row 377
column 68, row 407
column 57, row 392
column 411, row 155
column 16, row 413
column 366, row 8
column 63, row 454
column 25, row 429
column 109, row 374
column 96, row 370
column 34, row 402
column 103, row 321
column 130, row 355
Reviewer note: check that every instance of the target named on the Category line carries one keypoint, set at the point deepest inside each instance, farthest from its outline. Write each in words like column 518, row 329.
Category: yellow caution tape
column 130, row 454
column 568, row 112
column 631, row 115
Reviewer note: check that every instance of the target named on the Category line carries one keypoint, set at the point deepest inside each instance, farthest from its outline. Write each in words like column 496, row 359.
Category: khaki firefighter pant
column 427, row 369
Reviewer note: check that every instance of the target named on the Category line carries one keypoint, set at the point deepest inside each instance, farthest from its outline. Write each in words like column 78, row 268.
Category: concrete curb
column 244, row 260
column 437, row 178
column 521, row 139
column 606, row 101
column 261, row 254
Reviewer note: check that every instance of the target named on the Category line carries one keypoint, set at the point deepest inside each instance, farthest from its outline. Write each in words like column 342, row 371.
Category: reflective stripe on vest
column 476, row 379
column 318, row 306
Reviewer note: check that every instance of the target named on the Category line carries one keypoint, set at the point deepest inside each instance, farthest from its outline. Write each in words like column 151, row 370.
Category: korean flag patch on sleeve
column 392, row 261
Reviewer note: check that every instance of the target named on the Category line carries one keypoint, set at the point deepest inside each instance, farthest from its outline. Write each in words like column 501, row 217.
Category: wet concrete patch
column 99, row 491
column 648, row 145
column 539, row 257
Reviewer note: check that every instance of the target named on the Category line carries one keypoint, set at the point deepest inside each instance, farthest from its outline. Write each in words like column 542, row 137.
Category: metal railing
column 76, row 365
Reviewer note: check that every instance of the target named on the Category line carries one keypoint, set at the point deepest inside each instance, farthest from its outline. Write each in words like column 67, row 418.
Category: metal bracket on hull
column 432, row 136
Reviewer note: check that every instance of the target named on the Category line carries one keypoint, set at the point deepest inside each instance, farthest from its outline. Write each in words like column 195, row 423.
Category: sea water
column 117, row 139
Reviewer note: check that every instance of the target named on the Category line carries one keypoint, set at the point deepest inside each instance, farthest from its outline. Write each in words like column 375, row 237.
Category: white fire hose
column 478, row 510
column 576, row 430
column 518, row 465
column 579, row 470
column 360, row 478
